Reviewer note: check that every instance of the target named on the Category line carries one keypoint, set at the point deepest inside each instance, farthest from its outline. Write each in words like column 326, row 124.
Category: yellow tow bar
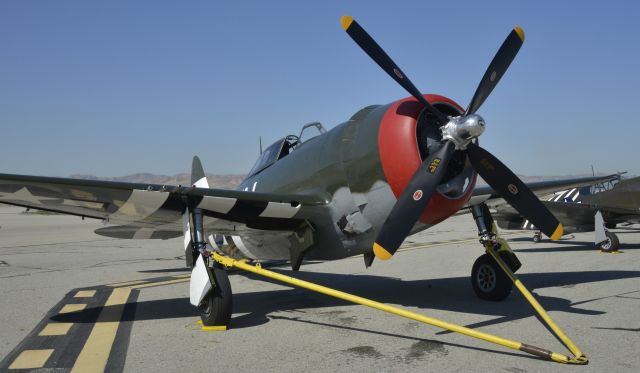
column 579, row 357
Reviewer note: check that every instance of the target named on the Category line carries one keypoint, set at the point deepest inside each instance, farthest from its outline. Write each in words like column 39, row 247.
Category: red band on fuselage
column 400, row 157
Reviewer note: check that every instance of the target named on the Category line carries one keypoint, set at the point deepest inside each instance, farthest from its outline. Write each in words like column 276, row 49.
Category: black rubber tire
column 537, row 237
column 612, row 243
column 217, row 305
column 488, row 280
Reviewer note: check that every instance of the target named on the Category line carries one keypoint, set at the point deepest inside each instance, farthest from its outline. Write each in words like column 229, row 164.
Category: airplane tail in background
column 198, row 177
column 199, row 180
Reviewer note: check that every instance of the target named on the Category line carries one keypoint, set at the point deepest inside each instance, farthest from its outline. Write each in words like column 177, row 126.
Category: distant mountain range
column 233, row 180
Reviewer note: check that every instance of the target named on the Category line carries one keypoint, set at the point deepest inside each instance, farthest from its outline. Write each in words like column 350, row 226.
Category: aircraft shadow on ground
column 566, row 245
column 448, row 294
column 265, row 264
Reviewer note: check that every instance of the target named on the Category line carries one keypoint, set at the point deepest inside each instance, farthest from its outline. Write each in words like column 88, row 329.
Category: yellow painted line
column 449, row 242
column 424, row 246
column 31, row 359
column 73, row 307
column 182, row 276
column 85, row 294
column 127, row 283
column 95, row 353
column 56, row 328
column 159, row 283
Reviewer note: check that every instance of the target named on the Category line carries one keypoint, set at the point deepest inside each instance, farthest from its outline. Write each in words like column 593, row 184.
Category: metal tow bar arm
column 578, row 356
column 545, row 354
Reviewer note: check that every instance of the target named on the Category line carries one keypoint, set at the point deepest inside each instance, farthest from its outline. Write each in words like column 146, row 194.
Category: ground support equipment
column 579, row 357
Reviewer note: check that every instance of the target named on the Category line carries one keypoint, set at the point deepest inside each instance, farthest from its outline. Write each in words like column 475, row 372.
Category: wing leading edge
column 155, row 211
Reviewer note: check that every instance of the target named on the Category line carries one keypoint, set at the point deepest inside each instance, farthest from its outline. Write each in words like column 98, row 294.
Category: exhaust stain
column 419, row 349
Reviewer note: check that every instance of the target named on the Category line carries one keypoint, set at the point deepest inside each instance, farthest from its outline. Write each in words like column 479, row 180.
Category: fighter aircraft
column 360, row 188
column 589, row 209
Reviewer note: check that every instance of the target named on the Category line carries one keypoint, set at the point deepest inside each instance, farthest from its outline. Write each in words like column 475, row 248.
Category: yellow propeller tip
column 380, row 252
column 346, row 21
column 557, row 233
column 520, row 32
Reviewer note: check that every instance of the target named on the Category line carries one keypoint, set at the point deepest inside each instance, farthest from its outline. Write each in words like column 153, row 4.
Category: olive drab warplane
column 358, row 189
column 597, row 209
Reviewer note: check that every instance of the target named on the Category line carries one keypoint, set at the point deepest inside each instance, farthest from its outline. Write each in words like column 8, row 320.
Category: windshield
column 268, row 156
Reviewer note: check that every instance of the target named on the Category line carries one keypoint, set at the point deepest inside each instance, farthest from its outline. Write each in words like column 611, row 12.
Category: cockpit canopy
column 283, row 147
column 275, row 151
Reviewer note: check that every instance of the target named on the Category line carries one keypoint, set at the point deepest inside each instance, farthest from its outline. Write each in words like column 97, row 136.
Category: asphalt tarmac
column 75, row 301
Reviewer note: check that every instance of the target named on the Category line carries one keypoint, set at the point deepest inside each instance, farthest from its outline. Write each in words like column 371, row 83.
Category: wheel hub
column 486, row 278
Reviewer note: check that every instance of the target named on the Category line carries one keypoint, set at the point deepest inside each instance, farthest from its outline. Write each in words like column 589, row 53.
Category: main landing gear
column 488, row 280
column 215, row 308
column 611, row 243
column 210, row 287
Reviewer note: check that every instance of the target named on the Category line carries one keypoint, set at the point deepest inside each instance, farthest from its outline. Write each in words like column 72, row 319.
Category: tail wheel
column 215, row 309
column 611, row 243
column 489, row 280
column 537, row 237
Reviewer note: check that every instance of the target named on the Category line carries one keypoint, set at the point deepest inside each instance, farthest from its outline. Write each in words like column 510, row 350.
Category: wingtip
column 346, row 21
column 380, row 252
column 557, row 233
column 520, row 32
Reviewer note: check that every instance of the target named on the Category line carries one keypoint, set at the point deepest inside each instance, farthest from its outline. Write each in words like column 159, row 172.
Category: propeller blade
column 366, row 42
column 412, row 202
column 514, row 191
column 497, row 68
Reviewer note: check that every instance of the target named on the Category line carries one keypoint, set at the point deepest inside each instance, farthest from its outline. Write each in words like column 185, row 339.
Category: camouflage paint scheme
column 325, row 200
column 620, row 204
column 345, row 163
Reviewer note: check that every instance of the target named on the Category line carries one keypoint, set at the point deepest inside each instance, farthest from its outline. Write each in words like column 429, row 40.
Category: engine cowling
column 406, row 138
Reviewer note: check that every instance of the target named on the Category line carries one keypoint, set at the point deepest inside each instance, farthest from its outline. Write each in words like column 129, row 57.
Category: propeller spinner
column 458, row 134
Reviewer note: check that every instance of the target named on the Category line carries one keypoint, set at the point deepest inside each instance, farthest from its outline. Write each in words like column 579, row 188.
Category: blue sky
column 117, row 87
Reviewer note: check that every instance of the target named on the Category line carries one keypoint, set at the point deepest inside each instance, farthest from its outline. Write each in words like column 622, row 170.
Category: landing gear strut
column 488, row 280
column 215, row 307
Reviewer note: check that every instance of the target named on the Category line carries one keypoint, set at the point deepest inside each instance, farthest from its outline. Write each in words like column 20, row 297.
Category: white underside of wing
column 141, row 204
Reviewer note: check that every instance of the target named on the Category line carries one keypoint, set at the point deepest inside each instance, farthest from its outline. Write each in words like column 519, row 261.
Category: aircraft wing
column 539, row 188
column 576, row 215
column 155, row 211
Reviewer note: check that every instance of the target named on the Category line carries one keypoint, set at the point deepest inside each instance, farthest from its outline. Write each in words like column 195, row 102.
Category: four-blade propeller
column 458, row 134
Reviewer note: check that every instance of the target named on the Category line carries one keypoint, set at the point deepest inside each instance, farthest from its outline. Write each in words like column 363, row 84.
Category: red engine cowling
column 400, row 155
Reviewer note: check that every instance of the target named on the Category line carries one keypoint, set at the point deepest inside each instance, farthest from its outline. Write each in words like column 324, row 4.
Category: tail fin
column 198, row 178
